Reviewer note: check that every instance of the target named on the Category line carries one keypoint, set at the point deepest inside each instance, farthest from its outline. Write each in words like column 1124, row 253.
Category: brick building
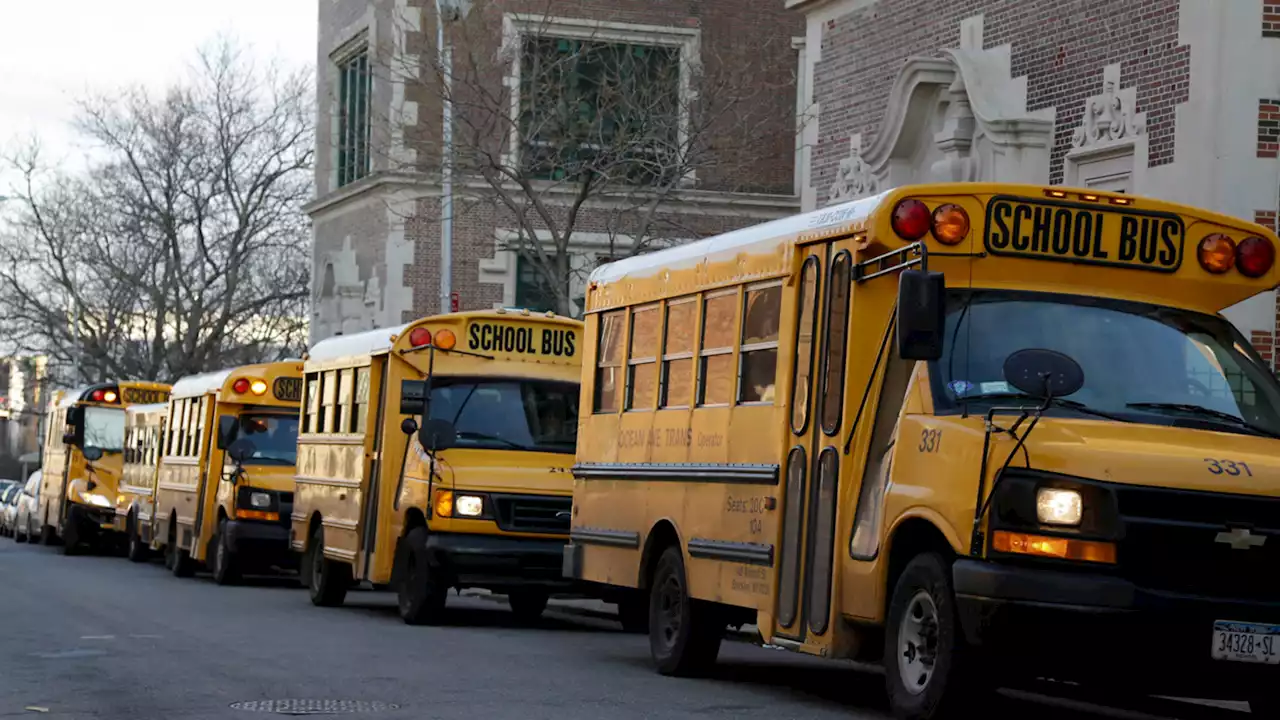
column 377, row 211
column 1177, row 99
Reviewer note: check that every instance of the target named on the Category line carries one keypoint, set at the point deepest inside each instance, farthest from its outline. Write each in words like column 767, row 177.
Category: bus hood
column 526, row 473
column 268, row 477
column 1151, row 455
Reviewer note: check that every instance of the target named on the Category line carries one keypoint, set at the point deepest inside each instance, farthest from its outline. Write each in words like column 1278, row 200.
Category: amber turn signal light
column 445, row 339
column 1053, row 547
column 1217, row 253
column 950, row 224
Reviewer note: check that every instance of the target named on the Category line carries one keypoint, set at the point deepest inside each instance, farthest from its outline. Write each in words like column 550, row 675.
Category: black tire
column 684, row 634
column 327, row 580
column 178, row 560
column 420, row 593
column 48, row 535
column 527, row 604
column 930, row 671
column 71, row 536
column 633, row 612
column 137, row 551
column 19, row 537
column 226, row 564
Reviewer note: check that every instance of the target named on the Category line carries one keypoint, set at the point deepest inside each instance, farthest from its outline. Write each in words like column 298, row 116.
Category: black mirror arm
column 983, row 501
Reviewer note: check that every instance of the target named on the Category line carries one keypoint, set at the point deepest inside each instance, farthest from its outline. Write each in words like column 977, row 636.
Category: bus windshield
column 508, row 414
column 1142, row 363
column 104, row 428
column 275, row 438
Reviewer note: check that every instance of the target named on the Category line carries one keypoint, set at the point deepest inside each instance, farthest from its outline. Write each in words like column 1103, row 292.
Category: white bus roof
column 719, row 248
column 196, row 385
column 365, row 343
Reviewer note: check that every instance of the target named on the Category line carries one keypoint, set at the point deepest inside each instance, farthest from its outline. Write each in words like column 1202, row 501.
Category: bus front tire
column 527, row 604
column 684, row 633
column 226, row 567
column 71, row 536
column 420, row 594
column 930, row 671
column 1265, row 706
column 327, row 580
column 137, row 551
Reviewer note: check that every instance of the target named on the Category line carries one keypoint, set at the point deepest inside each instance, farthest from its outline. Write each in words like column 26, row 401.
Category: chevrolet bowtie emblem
column 1241, row 539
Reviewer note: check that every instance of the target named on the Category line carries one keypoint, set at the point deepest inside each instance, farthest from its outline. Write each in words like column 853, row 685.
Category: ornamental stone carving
column 1110, row 117
column 854, row 178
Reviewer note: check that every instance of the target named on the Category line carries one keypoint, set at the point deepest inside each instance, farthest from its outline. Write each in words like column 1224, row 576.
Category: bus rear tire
column 327, row 580
column 684, row 634
column 420, row 594
column 48, row 535
column 527, row 604
column 930, row 671
column 177, row 559
column 633, row 612
column 1264, row 706
column 137, row 550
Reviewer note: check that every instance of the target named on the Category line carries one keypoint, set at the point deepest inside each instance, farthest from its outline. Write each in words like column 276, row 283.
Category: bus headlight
column 468, row 505
column 1055, row 506
column 96, row 500
column 259, row 500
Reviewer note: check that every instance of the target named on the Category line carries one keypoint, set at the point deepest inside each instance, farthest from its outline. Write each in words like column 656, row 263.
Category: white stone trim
column 516, row 25
column 585, row 249
column 1109, row 148
column 404, row 66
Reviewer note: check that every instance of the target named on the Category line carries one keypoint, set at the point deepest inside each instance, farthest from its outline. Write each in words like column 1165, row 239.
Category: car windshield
column 104, row 428
column 275, row 438
column 1142, row 363
column 508, row 414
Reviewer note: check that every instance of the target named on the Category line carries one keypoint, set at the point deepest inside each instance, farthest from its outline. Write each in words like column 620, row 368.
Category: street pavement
column 99, row 637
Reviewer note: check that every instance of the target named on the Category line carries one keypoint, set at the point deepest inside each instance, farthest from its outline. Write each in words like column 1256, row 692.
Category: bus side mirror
column 921, row 318
column 436, row 434
column 228, row 429
column 241, row 450
column 92, row 454
column 413, row 397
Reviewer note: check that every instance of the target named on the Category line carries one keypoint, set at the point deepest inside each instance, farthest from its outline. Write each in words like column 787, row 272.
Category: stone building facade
column 376, row 227
column 1177, row 99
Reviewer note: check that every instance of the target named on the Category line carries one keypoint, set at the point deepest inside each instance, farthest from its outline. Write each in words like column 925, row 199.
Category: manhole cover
column 313, row 707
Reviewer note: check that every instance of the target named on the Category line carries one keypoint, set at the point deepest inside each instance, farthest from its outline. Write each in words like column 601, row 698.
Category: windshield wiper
column 1069, row 404
column 1193, row 409
column 495, row 438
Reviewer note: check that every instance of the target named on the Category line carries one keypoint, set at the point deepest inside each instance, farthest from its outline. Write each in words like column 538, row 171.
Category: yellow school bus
column 436, row 455
column 225, row 485
column 979, row 433
column 143, row 435
column 82, row 463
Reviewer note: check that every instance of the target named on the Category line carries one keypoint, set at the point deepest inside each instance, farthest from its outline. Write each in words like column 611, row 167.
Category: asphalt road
column 99, row 637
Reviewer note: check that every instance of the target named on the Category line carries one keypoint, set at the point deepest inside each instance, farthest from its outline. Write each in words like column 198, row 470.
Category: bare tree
column 557, row 135
column 182, row 247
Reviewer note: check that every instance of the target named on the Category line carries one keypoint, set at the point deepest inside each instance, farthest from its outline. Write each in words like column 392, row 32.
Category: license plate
column 1246, row 642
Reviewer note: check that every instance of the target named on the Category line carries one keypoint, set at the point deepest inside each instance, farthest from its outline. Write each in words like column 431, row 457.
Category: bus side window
column 328, row 401
column 360, row 404
column 677, row 358
column 719, row 330
column 609, row 361
column 342, row 408
column 758, row 361
column 311, row 404
column 642, row 361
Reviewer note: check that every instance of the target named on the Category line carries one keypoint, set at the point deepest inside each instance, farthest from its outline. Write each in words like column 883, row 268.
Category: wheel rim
column 670, row 610
column 918, row 643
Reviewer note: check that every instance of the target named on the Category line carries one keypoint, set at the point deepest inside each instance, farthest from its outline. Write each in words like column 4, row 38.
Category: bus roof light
column 109, row 396
column 1217, row 253
column 420, row 337
column 950, row 224
column 241, row 386
column 1255, row 256
column 911, row 220
column 445, row 339
column 258, row 387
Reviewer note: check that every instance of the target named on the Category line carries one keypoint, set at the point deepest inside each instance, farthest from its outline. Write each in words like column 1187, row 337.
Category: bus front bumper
column 1100, row 628
column 496, row 563
column 259, row 541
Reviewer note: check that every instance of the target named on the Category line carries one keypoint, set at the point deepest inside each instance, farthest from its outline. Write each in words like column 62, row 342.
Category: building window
column 354, row 85
column 533, row 289
column 588, row 105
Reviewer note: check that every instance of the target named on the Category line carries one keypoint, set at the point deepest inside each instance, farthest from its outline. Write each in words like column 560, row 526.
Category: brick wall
column 1271, row 19
column 1268, row 128
column 1062, row 47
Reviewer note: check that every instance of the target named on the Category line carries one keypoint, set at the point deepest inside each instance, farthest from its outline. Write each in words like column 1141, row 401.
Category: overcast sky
column 52, row 52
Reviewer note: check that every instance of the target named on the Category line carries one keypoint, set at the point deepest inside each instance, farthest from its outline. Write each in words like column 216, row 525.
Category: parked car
column 9, row 495
column 26, row 525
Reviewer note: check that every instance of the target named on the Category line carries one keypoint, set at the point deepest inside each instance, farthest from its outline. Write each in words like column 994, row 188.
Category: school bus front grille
column 533, row 513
